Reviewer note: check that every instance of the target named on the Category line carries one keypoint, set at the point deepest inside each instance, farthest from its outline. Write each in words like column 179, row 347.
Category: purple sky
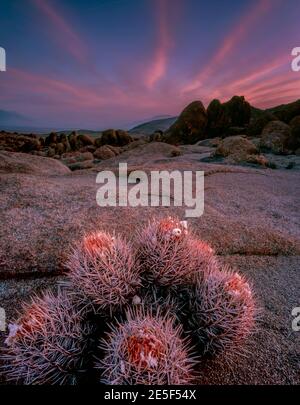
column 112, row 63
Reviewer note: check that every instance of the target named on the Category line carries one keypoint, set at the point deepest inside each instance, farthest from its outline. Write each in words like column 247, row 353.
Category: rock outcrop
column 115, row 137
column 190, row 127
column 14, row 142
column 11, row 162
column 229, row 118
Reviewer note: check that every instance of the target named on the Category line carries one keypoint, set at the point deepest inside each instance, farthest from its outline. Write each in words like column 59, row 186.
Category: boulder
column 30, row 144
column 84, row 140
column 238, row 145
column 109, row 137
column 293, row 142
column 115, row 138
column 72, row 138
column 123, row 138
column 63, row 138
column 275, row 137
column 12, row 162
column 104, row 152
column 238, row 111
column 19, row 143
column 239, row 149
column 190, row 126
column 218, row 121
column 51, row 138
column 228, row 119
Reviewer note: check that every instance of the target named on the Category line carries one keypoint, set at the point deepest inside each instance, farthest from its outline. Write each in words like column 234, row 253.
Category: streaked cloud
column 160, row 59
column 231, row 41
column 63, row 31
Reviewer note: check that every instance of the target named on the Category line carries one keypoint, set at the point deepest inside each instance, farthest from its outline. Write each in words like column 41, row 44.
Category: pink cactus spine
column 222, row 311
column 103, row 272
column 146, row 350
column 169, row 254
column 46, row 344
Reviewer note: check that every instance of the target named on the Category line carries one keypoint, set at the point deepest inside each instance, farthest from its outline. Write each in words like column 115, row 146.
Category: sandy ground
column 251, row 218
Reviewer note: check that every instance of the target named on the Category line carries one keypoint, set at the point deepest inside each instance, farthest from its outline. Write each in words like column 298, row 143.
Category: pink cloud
column 159, row 66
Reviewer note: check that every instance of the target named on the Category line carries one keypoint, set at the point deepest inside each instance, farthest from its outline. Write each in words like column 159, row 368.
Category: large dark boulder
column 229, row 118
column 115, row 137
column 218, row 121
column 85, row 140
column 293, row 142
column 123, row 138
column 238, row 111
column 190, row 127
column 72, row 138
column 51, row 138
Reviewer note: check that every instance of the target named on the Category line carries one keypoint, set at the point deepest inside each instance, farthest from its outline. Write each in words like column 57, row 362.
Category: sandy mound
column 11, row 162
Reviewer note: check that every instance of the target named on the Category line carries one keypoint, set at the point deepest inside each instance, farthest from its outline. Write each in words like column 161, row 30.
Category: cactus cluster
column 139, row 309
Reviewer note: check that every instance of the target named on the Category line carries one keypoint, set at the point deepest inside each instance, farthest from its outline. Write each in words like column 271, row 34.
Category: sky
column 97, row 64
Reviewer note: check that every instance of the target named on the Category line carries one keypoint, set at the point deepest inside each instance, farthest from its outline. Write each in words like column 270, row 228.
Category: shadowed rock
column 275, row 137
column 190, row 126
